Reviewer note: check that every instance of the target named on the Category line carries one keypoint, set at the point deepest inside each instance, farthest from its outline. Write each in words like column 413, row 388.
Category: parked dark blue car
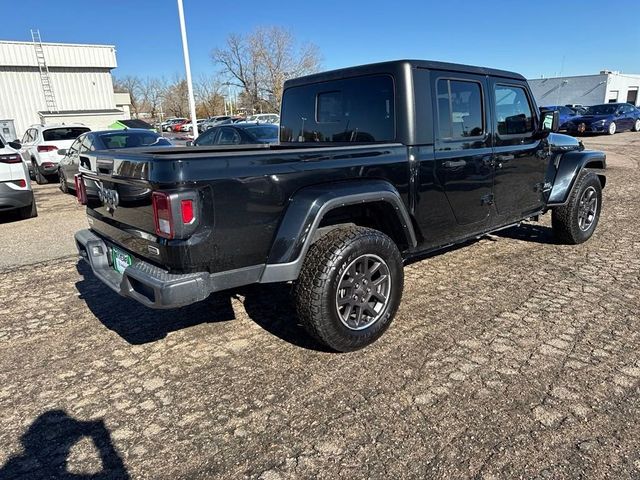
column 566, row 114
column 606, row 118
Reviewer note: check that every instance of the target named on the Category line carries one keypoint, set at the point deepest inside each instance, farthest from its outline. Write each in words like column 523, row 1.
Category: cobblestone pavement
column 511, row 357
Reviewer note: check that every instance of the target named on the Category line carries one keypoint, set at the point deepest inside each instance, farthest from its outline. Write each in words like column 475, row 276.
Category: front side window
column 459, row 109
column 513, row 111
column 359, row 109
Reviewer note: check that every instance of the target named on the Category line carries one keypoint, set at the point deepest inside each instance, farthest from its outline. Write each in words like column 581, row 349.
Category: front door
column 520, row 158
column 463, row 150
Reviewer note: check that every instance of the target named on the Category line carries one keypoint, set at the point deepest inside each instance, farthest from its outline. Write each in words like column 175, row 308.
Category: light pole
column 187, row 67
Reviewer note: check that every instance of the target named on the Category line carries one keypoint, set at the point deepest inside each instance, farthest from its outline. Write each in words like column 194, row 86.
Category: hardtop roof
column 394, row 66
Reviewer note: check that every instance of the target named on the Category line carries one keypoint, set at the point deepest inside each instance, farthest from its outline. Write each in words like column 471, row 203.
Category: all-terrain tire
column 566, row 220
column 316, row 290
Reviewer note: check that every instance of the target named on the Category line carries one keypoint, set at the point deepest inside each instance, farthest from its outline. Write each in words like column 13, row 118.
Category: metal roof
column 22, row 54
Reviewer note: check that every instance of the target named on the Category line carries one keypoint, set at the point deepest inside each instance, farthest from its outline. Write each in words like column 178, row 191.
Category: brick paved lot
column 511, row 357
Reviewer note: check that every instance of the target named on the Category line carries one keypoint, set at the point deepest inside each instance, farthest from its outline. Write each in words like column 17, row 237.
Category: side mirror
column 549, row 122
column 16, row 145
column 189, row 143
column 63, row 151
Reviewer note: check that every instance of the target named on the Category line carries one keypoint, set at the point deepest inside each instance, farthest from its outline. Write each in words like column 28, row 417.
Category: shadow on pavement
column 47, row 445
column 268, row 305
column 530, row 233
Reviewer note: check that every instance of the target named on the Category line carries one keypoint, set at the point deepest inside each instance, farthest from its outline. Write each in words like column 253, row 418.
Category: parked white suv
column 40, row 145
column 15, row 184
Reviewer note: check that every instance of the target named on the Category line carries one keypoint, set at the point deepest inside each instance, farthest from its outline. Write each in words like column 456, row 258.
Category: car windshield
column 602, row 109
column 264, row 132
column 66, row 133
column 124, row 139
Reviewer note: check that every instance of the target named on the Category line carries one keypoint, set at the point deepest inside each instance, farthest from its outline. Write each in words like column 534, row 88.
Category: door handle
column 505, row 158
column 454, row 163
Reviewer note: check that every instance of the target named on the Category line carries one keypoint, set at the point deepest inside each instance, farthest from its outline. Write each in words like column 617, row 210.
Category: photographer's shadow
column 47, row 445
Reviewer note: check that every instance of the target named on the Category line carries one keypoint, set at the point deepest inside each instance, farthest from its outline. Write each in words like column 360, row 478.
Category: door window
column 459, row 109
column 513, row 110
column 228, row 136
column 207, row 138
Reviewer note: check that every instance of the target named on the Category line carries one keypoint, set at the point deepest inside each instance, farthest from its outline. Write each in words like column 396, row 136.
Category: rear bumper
column 153, row 286
column 11, row 198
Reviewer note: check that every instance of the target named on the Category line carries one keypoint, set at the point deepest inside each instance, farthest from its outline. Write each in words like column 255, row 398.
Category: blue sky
column 544, row 37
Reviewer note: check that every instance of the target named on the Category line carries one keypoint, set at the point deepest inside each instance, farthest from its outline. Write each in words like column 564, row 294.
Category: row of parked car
column 50, row 153
column 606, row 118
column 185, row 125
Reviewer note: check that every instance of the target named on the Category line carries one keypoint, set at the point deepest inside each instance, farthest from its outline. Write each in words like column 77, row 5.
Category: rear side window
column 459, row 109
column 513, row 112
column 228, row 136
column 69, row 133
column 360, row 109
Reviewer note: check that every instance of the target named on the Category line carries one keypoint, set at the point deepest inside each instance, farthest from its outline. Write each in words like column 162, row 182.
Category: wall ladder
column 45, row 77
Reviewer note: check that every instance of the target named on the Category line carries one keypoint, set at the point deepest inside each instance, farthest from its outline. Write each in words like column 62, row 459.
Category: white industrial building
column 57, row 83
column 605, row 87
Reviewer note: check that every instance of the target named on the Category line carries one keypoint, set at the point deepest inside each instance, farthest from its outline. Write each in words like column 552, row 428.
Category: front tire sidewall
column 612, row 128
column 565, row 218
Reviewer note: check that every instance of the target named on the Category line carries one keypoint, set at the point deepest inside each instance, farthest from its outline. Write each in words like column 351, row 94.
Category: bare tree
column 152, row 91
column 209, row 98
column 130, row 84
column 260, row 62
column 175, row 99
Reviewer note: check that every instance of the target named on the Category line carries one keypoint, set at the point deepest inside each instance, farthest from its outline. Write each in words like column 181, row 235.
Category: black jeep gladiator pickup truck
column 376, row 164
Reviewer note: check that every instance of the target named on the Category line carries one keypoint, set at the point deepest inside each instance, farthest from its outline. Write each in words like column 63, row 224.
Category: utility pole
column 187, row 67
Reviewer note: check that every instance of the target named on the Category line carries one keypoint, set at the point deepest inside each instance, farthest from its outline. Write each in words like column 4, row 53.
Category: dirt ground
column 513, row 357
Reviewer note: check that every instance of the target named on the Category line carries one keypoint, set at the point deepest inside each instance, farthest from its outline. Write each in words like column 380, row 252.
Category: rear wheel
column 612, row 128
column 576, row 221
column 636, row 125
column 64, row 187
column 40, row 178
column 350, row 287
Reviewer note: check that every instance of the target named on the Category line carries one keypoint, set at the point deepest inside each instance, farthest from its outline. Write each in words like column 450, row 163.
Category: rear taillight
column 47, row 148
column 10, row 158
column 81, row 189
column 175, row 213
column 162, row 214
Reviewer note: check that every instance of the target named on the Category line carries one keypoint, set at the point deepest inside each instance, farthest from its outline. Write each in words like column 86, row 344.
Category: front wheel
column 612, row 128
column 350, row 287
column 576, row 221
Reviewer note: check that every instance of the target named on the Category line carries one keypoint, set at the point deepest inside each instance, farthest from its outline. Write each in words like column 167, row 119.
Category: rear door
column 520, row 159
column 463, row 150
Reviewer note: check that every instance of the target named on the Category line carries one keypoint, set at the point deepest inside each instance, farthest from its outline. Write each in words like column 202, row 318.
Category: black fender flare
column 305, row 211
column 569, row 167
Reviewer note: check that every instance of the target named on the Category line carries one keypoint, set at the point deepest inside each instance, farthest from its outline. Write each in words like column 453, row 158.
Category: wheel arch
column 570, row 165
column 315, row 210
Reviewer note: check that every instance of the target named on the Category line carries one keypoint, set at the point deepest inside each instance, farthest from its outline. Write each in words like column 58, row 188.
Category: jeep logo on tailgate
column 109, row 197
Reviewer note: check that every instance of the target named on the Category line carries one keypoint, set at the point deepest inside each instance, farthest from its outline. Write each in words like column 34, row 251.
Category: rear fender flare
column 306, row 210
column 569, row 167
